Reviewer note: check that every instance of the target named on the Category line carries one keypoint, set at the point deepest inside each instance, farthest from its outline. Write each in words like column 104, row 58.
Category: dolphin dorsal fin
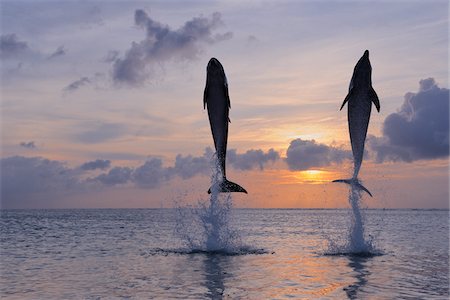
column 374, row 98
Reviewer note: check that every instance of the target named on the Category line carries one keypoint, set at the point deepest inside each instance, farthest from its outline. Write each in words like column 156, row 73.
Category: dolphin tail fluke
column 355, row 183
column 227, row 186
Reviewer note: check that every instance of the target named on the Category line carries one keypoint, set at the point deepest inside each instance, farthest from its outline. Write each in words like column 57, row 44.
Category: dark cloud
column 96, row 164
column 189, row 166
column 307, row 154
column 151, row 174
column 10, row 46
column 162, row 44
column 24, row 178
column 251, row 159
column 77, row 84
column 28, row 145
column 58, row 52
column 420, row 128
column 115, row 176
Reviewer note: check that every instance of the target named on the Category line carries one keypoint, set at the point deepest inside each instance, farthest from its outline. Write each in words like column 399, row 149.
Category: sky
column 102, row 102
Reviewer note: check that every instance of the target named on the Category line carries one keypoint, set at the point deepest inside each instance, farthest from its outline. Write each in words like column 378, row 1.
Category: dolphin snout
column 214, row 65
column 213, row 62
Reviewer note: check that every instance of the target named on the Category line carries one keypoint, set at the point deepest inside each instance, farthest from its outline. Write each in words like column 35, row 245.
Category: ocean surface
column 276, row 254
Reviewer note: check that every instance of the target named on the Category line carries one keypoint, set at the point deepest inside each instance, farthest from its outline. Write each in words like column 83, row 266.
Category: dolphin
column 360, row 97
column 217, row 100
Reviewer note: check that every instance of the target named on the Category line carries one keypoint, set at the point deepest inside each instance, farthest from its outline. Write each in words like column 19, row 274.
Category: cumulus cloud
column 251, row 159
column 96, row 164
column 24, row 177
column 58, row 52
column 28, row 145
column 308, row 154
column 189, row 166
column 115, row 176
column 162, row 43
column 11, row 46
column 419, row 129
column 151, row 174
column 77, row 84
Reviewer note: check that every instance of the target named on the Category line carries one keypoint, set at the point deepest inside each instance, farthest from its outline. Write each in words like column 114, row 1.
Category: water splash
column 356, row 244
column 207, row 227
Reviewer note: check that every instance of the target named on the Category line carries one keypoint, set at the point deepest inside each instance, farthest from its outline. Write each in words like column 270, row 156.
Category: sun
column 313, row 172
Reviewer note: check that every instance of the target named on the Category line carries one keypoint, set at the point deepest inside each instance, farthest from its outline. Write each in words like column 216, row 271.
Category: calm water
column 94, row 254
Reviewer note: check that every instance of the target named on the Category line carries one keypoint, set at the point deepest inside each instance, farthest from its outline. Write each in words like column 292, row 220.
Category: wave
column 222, row 252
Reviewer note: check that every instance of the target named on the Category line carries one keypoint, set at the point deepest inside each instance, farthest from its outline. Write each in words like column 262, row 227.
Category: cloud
column 24, row 178
column 189, row 166
column 28, row 178
column 111, row 56
column 96, row 164
column 77, row 84
column 251, row 159
column 10, row 46
column 28, row 145
column 58, row 52
column 419, row 129
column 162, row 44
column 151, row 174
column 115, row 176
column 307, row 154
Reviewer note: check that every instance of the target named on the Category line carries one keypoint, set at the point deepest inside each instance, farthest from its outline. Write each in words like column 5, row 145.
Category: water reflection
column 360, row 271
column 215, row 275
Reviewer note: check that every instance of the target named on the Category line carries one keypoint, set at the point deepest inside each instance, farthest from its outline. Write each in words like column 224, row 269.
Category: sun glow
column 313, row 176
column 313, row 172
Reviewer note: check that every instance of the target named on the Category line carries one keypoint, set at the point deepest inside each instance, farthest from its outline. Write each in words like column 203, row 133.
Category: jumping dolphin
column 218, row 101
column 360, row 97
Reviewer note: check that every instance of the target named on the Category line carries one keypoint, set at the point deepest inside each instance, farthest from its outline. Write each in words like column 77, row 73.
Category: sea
column 268, row 254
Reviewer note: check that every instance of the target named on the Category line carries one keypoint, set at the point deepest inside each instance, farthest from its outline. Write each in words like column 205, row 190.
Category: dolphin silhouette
column 360, row 97
column 217, row 100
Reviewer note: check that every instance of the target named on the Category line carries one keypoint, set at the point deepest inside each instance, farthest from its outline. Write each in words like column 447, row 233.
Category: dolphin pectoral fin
column 355, row 183
column 374, row 99
column 342, row 106
column 229, row 187
column 346, row 99
column 347, row 181
column 227, row 95
column 205, row 95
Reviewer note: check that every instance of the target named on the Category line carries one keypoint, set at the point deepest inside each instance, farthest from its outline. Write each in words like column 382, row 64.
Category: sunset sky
column 101, row 101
